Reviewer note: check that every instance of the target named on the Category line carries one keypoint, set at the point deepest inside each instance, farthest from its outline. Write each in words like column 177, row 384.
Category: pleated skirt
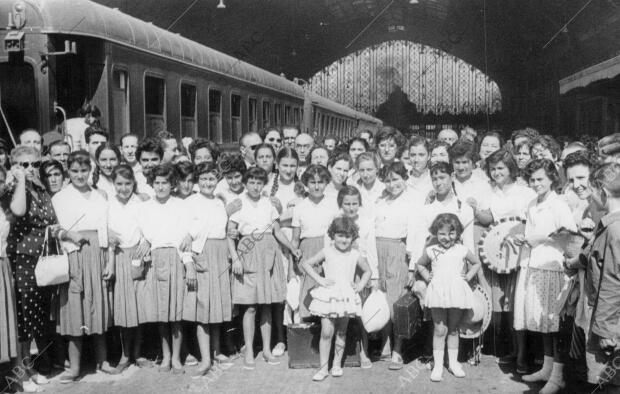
column 84, row 304
column 309, row 247
column 502, row 289
column 212, row 300
column 392, row 268
column 263, row 280
column 125, row 299
column 161, row 293
column 8, row 324
column 536, row 306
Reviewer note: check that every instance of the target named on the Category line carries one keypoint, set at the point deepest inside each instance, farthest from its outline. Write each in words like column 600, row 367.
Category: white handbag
column 51, row 269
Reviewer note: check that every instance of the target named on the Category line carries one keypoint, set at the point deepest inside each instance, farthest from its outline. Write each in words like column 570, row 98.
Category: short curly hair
column 343, row 225
column 446, row 219
column 167, row 171
column 503, row 156
column 581, row 157
column 463, row 148
column 256, row 173
column 315, row 170
column 397, row 167
column 543, row 164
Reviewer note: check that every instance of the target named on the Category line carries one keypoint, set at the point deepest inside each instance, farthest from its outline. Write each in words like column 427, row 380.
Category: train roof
column 86, row 18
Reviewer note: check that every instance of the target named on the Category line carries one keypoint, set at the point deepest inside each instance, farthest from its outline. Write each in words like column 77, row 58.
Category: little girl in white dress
column 448, row 294
column 336, row 298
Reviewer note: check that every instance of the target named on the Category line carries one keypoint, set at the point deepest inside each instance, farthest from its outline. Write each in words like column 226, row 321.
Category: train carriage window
column 296, row 118
column 235, row 116
column 266, row 114
column 215, row 115
column 189, row 122
column 253, row 114
column 278, row 114
column 18, row 97
column 120, row 102
column 154, row 104
column 287, row 114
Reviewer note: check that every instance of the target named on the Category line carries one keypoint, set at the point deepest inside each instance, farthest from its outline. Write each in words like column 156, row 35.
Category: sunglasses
column 274, row 140
column 253, row 147
column 27, row 164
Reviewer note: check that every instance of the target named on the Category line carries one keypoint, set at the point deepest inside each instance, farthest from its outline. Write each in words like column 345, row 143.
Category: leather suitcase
column 303, row 345
column 407, row 315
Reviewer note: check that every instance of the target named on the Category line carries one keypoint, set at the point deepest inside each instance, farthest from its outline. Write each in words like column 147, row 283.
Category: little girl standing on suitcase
column 336, row 298
column 448, row 294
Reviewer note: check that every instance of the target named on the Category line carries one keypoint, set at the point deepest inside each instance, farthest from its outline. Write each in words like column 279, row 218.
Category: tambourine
column 497, row 248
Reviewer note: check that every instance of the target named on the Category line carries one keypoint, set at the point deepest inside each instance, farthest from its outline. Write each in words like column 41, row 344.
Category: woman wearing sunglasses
column 31, row 206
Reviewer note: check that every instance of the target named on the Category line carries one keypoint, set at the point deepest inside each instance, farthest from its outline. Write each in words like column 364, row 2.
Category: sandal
column 271, row 360
column 201, row 372
column 397, row 363
column 249, row 365
column 68, row 378
column 366, row 364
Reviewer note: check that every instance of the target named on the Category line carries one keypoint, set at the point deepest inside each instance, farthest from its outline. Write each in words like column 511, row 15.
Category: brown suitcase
column 407, row 315
column 303, row 345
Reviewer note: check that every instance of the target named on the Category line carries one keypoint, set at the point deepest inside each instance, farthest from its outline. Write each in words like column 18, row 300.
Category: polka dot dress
column 25, row 242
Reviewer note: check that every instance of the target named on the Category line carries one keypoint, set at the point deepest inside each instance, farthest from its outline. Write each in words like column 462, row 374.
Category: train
column 57, row 54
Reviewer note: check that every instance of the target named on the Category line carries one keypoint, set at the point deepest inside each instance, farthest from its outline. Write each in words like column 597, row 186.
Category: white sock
column 453, row 362
column 543, row 374
column 438, row 367
column 557, row 374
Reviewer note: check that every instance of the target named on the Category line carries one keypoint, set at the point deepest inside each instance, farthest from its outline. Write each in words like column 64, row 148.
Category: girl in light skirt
column 126, row 253
column 259, row 278
column 542, row 276
column 211, row 303
column 84, row 302
column 311, row 219
column 164, row 223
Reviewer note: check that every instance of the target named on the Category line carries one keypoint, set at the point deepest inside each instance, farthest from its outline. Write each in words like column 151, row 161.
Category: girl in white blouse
column 164, row 224
column 259, row 278
column 393, row 222
column 311, row 219
column 84, row 303
column 542, row 276
column 211, row 303
column 124, row 251
column 107, row 157
column 508, row 198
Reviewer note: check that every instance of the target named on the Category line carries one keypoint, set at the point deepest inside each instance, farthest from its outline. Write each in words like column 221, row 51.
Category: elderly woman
column 32, row 211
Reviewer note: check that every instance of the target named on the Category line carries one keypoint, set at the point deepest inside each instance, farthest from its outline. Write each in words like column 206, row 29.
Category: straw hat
column 376, row 311
column 477, row 320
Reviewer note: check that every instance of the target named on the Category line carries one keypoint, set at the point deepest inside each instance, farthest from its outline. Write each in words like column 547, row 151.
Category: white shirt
column 543, row 219
column 143, row 186
column 393, row 216
column 223, row 189
column 106, row 186
column 331, row 192
column 416, row 239
column 77, row 211
column 512, row 200
column 207, row 219
column 255, row 217
column 421, row 184
column 475, row 187
column 372, row 195
column 123, row 220
column 314, row 219
column 164, row 225
column 76, row 128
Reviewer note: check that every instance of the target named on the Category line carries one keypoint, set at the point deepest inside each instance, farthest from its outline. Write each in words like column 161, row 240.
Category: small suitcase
column 303, row 345
column 407, row 315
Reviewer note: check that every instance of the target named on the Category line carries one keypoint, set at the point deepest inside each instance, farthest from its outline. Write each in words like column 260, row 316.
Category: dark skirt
column 84, row 303
column 33, row 302
column 125, row 300
column 309, row 247
column 393, row 269
column 502, row 288
column 8, row 325
column 212, row 300
column 263, row 280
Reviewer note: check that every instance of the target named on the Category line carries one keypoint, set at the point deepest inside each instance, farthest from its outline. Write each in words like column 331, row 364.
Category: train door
column 18, row 98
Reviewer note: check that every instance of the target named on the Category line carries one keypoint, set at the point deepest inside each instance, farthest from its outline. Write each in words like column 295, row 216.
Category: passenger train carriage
column 58, row 53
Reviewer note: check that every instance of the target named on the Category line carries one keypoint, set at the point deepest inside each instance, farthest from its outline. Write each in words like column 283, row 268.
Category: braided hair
column 284, row 153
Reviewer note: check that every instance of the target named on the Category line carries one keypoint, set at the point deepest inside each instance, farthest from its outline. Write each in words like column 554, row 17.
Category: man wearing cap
column 448, row 135
column 603, row 282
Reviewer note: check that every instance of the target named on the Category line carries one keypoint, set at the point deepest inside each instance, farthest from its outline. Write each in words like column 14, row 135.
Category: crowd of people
column 178, row 236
